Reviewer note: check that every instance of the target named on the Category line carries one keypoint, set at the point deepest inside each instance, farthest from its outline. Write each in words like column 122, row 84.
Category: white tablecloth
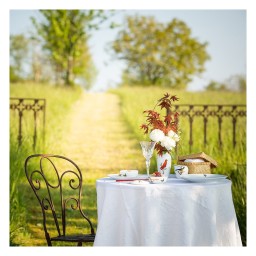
column 176, row 213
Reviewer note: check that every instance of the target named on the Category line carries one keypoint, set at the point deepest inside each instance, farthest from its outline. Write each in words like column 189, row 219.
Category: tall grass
column 134, row 100
column 59, row 101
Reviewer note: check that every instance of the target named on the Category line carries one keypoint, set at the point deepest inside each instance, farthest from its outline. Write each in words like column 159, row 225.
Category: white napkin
column 195, row 160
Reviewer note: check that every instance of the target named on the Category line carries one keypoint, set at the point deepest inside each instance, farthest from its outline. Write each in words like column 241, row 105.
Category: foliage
column 159, row 54
column 26, row 52
column 18, row 55
column 242, row 83
column 65, row 35
column 234, row 83
column 40, row 65
column 238, row 177
column 14, row 77
column 157, row 126
column 215, row 86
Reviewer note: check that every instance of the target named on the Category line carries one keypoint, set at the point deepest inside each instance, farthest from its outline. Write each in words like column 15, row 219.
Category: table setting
column 189, row 206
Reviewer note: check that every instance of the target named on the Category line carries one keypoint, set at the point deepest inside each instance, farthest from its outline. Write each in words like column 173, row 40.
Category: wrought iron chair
column 48, row 174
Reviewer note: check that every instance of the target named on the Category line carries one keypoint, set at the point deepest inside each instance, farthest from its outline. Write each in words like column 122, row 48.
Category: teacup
column 180, row 169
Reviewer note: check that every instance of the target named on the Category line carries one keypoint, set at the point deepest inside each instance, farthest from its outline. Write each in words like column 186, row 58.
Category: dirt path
column 99, row 139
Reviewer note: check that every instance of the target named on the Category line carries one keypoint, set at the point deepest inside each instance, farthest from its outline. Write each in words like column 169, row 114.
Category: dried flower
column 162, row 130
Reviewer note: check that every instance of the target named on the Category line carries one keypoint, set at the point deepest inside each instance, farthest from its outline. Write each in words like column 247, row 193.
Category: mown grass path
column 99, row 139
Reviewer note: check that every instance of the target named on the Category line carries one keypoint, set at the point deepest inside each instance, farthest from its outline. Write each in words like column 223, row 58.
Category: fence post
column 29, row 104
column 215, row 111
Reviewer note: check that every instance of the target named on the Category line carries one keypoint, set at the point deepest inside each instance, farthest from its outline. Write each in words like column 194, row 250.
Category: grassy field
column 59, row 101
column 24, row 228
column 135, row 100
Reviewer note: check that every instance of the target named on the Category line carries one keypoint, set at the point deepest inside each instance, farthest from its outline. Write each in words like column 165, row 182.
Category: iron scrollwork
column 211, row 111
column 28, row 104
column 61, row 180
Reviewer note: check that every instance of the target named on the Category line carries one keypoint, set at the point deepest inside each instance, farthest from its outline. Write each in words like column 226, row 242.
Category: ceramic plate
column 203, row 177
column 118, row 177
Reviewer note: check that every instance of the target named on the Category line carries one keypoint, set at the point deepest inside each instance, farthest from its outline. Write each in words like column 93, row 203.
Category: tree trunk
column 68, row 80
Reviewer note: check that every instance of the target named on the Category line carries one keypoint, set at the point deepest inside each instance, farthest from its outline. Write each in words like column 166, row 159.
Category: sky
column 224, row 30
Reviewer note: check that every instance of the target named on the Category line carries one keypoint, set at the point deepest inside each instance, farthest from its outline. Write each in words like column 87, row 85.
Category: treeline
column 155, row 53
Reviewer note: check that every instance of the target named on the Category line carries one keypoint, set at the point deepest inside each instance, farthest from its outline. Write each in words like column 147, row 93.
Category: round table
column 176, row 213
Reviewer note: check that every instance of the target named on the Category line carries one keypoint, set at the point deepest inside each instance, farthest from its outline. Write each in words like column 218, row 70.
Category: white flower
column 168, row 143
column 173, row 135
column 156, row 135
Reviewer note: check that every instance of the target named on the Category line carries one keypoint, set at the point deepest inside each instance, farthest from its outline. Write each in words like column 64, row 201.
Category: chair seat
column 75, row 238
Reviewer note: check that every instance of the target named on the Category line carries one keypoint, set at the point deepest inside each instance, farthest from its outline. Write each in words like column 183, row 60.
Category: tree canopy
column 65, row 34
column 234, row 83
column 159, row 54
column 18, row 55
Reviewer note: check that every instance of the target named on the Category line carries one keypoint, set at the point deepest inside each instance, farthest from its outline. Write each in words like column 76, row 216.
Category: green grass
column 59, row 102
column 231, row 161
column 135, row 100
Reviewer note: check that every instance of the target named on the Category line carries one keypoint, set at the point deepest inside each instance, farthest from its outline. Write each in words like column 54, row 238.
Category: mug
column 180, row 169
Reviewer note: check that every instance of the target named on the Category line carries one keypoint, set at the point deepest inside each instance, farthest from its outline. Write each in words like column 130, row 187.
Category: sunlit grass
column 134, row 100
column 58, row 103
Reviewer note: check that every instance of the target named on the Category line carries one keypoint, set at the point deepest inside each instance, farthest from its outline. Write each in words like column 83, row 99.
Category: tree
column 242, row 83
column 215, row 86
column 159, row 54
column 18, row 55
column 236, row 83
column 233, row 83
column 65, row 35
column 40, row 66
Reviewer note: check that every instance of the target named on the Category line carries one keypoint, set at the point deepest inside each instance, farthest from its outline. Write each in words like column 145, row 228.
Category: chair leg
column 49, row 242
column 79, row 244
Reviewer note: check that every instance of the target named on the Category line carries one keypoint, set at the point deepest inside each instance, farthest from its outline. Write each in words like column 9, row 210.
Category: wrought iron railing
column 28, row 104
column 219, row 112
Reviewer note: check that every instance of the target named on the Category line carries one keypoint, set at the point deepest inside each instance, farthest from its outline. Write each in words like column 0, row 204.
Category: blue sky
column 224, row 30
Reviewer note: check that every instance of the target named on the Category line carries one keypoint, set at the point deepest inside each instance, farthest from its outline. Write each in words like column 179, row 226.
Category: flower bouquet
column 164, row 131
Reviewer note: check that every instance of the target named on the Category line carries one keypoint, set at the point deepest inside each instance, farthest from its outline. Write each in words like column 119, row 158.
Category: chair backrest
column 47, row 173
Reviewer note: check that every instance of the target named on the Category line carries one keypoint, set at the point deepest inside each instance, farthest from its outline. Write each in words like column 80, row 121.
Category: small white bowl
column 132, row 173
column 129, row 173
column 123, row 172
